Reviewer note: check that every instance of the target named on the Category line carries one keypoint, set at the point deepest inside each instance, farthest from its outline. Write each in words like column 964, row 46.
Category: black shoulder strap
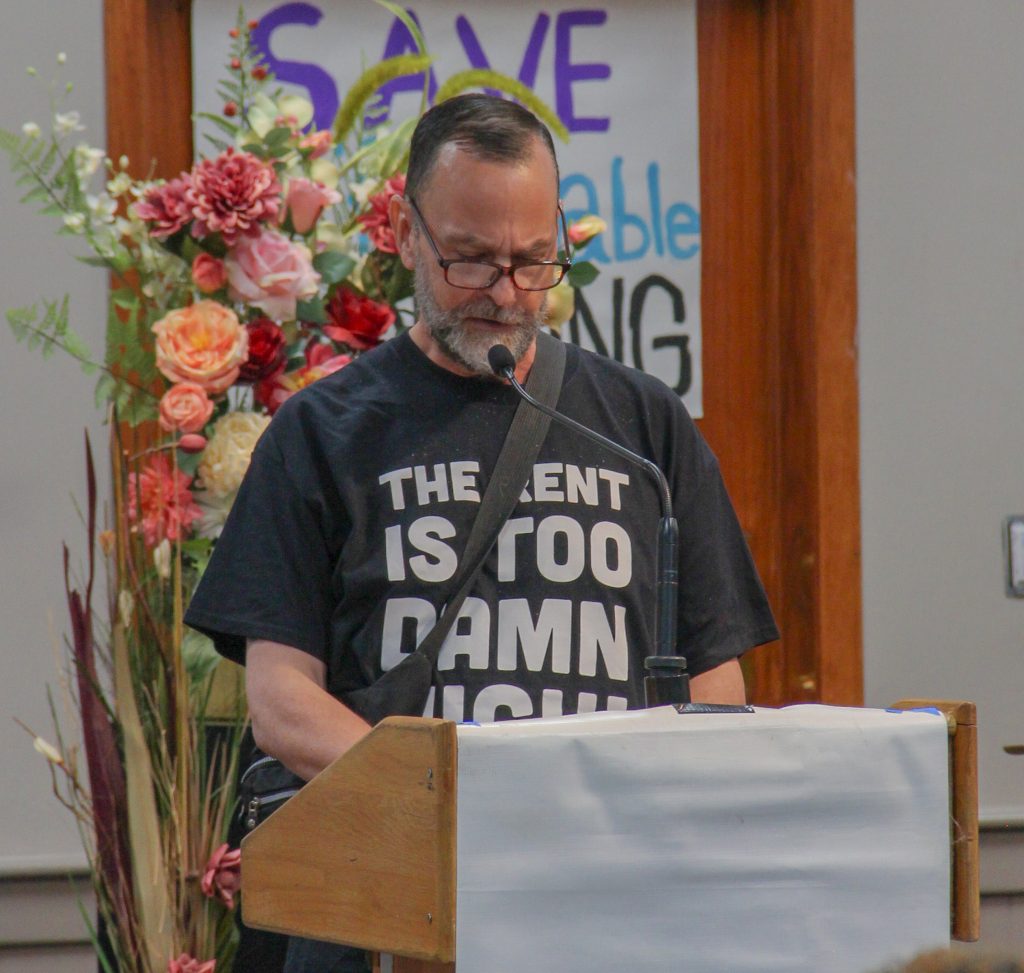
column 525, row 435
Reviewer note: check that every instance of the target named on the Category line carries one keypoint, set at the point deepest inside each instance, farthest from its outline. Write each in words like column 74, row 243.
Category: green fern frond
column 485, row 78
column 10, row 142
column 367, row 84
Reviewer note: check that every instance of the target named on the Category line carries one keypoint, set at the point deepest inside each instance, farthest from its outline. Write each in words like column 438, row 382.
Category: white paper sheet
column 805, row 839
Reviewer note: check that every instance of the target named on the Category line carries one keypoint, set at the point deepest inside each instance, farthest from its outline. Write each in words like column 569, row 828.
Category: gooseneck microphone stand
column 666, row 682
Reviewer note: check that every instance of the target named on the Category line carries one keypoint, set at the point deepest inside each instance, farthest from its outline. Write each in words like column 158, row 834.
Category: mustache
column 484, row 307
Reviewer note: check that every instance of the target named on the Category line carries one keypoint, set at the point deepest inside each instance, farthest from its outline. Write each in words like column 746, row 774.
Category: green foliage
column 312, row 311
column 333, row 266
column 199, row 656
column 390, row 151
column 583, row 273
column 49, row 331
column 367, row 84
column 130, row 363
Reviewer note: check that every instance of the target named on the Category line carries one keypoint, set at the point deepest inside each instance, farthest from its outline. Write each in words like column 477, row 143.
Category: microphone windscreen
column 500, row 358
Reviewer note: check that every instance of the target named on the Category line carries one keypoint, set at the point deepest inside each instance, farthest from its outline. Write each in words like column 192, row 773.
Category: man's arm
column 723, row 684
column 294, row 718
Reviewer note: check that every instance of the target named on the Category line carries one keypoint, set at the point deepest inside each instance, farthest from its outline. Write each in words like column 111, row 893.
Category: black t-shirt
column 361, row 494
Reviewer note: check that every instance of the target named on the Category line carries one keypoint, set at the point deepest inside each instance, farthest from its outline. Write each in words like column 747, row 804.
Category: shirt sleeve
column 723, row 608
column 270, row 573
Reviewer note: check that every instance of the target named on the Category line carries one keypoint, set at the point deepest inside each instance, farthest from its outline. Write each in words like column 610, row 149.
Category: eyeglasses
column 472, row 275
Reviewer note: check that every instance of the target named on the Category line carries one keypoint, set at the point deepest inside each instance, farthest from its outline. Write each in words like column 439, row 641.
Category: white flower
column 162, row 559
column 62, row 58
column 227, row 454
column 363, row 190
column 125, row 228
column 125, row 607
column 120, row 184
column 48, row 750
column 74, row 222
column 102, row 207
column 31, row 130
column 324, row 170
column 87, row 160
column 215, row 512
column 66, row 122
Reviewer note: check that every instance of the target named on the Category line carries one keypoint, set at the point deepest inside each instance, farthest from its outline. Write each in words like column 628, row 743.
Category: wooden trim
column 812, row 283
column 148, row 50
column 965, row 902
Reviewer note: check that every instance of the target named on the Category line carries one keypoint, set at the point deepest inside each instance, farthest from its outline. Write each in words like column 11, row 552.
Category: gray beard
column 463, row 344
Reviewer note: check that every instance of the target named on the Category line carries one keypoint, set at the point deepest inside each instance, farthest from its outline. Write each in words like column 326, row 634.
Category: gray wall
column 940, row 182
column 46, row 406
column 941, row 244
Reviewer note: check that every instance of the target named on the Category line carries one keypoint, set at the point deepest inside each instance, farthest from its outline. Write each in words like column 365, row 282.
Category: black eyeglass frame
column 500, row 270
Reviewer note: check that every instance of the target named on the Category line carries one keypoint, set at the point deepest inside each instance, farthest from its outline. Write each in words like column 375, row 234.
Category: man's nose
column 503, row 291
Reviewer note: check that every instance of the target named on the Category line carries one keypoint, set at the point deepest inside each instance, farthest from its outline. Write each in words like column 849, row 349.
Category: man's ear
column 401, row 223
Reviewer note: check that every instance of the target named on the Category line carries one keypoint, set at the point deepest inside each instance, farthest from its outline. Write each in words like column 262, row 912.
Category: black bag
column 402, row 691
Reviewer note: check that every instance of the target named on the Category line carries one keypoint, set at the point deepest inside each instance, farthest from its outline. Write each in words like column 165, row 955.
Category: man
column 360, row 496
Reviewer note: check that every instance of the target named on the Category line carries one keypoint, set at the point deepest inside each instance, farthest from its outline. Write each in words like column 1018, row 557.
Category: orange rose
column 185, row 407
column 203, row 343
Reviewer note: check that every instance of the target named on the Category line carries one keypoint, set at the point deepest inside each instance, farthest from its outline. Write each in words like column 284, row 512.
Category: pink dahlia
column 232, row 194
column 159, row 496
column 166, row 206
column 376, row 223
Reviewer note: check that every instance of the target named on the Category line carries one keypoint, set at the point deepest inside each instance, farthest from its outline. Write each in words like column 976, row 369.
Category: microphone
column 667, row 680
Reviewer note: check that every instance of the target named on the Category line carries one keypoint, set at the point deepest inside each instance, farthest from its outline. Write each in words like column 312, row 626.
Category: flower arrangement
column 268, row 265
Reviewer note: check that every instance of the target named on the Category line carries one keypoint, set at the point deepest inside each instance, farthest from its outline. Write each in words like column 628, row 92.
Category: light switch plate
column 1013, row 547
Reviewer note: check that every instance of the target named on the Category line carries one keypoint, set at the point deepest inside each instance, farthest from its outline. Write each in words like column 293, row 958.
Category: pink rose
column 306, row 201
column 202, row 343
column 222, row 876
column 232, row 194
column 585, row 229
column 208, row 273
column 185, row 407
column 271, row 273
column 189, row 964
column 316, row 143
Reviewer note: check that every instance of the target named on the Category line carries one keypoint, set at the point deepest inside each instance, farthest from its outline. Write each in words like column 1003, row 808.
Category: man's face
column 478, row 209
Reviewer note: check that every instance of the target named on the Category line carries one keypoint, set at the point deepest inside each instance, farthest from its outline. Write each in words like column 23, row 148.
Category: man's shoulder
column 609, row 374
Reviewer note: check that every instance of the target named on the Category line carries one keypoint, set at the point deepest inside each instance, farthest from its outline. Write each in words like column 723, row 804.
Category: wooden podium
column 549, row 834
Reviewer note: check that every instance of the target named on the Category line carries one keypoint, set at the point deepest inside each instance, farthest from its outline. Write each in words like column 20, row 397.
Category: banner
column 621, row 75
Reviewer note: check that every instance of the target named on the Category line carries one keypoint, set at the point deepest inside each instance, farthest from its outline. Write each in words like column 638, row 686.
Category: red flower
column 356, row 320
column 166, row 206
column 376, row 223
column 223, row 875
column 189, row 964
column 266, row 351
column 321, row 361
column 232, row 195
column 159, row 495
